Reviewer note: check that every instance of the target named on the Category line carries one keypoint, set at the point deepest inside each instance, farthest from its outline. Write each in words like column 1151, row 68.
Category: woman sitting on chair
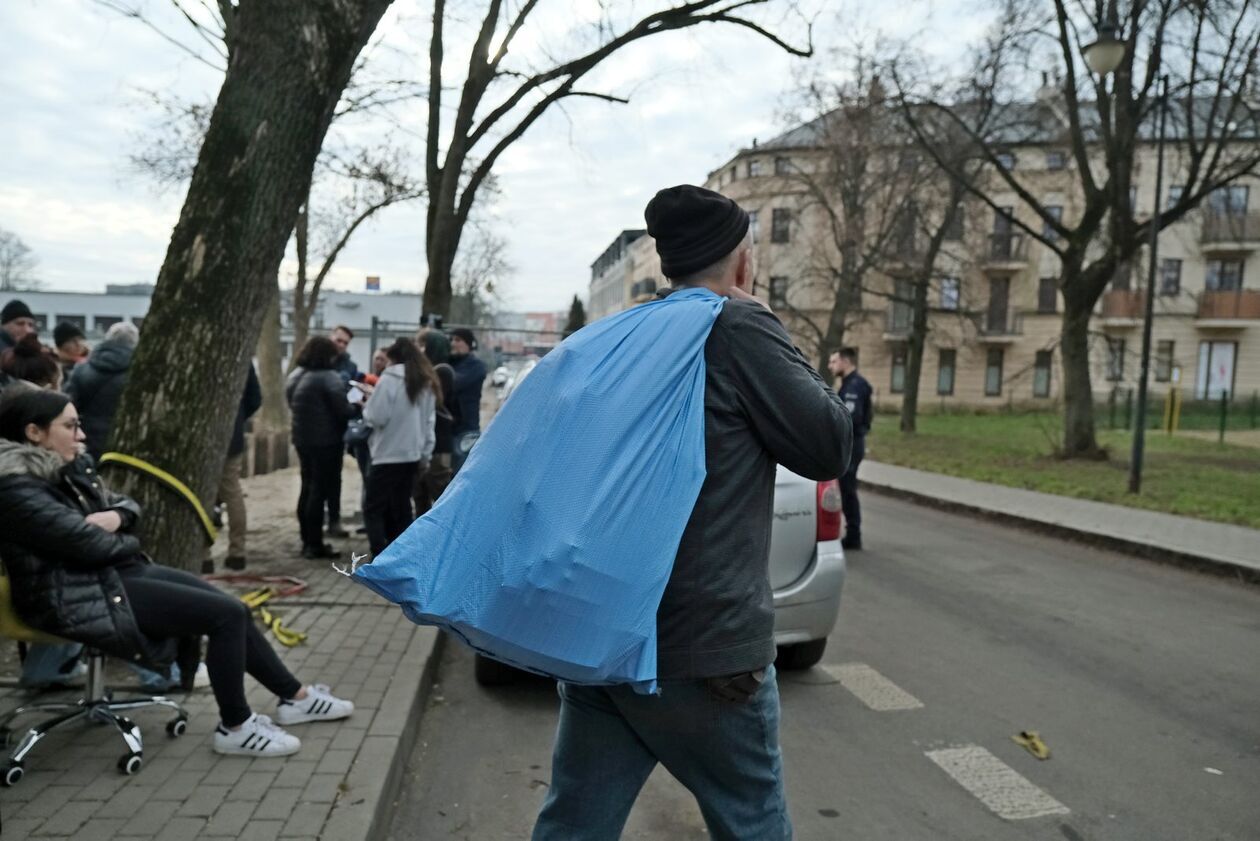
column 76, row 571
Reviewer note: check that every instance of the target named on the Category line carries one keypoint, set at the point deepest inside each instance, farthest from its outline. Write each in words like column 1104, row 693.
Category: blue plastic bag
column 552, row 546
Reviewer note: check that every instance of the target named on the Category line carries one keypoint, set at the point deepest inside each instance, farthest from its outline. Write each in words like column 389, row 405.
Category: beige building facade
column 995, row 309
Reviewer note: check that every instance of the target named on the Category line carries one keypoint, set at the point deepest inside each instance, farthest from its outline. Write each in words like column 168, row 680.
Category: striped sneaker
column 258, row 736
column 318, row 705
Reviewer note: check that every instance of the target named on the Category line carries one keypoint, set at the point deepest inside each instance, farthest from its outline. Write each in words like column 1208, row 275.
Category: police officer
column 855, row 391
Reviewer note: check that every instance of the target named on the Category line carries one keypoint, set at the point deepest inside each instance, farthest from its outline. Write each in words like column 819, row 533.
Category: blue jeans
column 46, row 664
column 610, row 738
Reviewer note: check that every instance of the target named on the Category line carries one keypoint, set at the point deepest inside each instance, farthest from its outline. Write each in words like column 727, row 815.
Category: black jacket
column 251, row 401
column 448, row 413
column 470, row 373
column 317, row 401
column 63, row 571
column 855, row 391
column 96, row 386
column 763, row 404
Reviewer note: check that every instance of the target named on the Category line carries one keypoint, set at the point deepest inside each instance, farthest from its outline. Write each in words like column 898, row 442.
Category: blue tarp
column 553, row 545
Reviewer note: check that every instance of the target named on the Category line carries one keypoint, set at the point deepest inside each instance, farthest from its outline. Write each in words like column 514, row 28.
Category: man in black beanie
column 71, row 346
column 16, row 323
column 715, row 723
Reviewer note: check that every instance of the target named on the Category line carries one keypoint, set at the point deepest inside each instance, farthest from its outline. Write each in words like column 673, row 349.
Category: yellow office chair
column 97, row 703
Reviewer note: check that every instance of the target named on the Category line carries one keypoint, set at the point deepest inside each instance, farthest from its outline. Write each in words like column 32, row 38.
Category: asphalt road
column 1143, row 681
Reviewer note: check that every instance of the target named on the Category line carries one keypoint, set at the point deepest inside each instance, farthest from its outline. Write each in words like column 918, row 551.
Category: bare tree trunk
column 288, row 65
column 274, row 414
column 915, row 345
column 1079, row 439
column 445, row 229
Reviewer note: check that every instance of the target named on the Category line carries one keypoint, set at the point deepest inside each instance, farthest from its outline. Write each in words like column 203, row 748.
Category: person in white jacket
column 401, row 412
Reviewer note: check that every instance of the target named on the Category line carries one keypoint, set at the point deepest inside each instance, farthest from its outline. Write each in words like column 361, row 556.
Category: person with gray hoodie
column 97, row 385
column 401, row 411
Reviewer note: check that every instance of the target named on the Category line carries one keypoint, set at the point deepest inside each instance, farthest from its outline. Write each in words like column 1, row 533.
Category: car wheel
column 801, row 656
column 490, row 672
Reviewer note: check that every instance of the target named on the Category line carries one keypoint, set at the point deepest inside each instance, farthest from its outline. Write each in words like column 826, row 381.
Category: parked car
column 807, row 569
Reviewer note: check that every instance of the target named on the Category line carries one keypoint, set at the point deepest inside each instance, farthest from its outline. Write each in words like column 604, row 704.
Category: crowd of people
column 407, row 422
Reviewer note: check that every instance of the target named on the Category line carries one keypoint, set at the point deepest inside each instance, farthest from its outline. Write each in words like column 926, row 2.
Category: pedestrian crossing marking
column 1001, row 788
column 873, row 689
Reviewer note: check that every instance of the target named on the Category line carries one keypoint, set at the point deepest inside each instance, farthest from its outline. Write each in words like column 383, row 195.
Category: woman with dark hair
column 30, row 361
column 401, row 412
column 76, row 570
column 317, row 401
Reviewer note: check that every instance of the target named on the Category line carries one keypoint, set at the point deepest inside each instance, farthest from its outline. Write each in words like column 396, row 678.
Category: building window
column 1230, row 200
column 734, row 173
column 1041, row 373
column 104, row 322
column 1048, row 295
column 780, row 225
column 1224, row 275
column 753, row 227
column 1006, row 160
column 1132, row 198
column 1055, row 212
column 945, row 372
column 41, row 323
column 754, row 168
column 782, row 166
column 1163, row 361
column 1170, row 277
column 1216, row 370
column 950, row 293
column 954, row 230
column 1056, row 160
column 1115, row 359
column 993, row 372
column 898, row 383
column 778, row 291
column 1175, row 193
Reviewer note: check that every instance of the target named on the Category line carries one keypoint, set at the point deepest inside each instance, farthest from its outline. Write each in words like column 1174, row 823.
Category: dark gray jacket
column 317, row 402
column 96, row 386
column 763, row 404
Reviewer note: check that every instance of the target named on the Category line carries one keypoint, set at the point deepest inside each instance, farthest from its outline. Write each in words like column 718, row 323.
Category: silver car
column 806, row 571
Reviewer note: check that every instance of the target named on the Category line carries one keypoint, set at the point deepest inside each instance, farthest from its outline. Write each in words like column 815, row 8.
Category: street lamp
column 1105, row 54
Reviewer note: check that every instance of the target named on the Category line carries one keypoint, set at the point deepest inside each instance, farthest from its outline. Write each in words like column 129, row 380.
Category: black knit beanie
column 465, row 334
column 13, row 310
column 66, row 331
column 693, row 228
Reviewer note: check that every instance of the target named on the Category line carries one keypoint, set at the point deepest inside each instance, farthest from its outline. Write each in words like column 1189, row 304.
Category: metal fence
column 1173, row 411
column 497, row 344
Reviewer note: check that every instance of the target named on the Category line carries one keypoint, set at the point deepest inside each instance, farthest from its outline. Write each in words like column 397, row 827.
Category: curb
column 1220, row 567
column 364, row 809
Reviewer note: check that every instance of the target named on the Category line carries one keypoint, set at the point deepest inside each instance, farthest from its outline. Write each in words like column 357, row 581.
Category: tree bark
column 445, row 230
column 274, row 414
column 1079, row 439
column 288, row 66
column 915, row 344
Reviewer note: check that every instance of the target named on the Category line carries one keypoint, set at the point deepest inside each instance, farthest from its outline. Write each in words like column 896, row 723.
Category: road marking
column 873, row 689
column 996, row 784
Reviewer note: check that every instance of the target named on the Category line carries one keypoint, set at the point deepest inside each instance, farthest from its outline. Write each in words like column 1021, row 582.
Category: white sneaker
column 318, row 705
column 258, row 736
column 202, row 678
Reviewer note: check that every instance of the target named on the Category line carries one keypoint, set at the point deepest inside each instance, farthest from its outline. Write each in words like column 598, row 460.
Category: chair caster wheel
column 130, row 763
column 13, row 774
column 177, row 727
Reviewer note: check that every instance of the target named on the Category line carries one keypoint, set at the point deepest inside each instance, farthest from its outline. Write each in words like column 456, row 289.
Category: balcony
column 1123, row 308
column 1007, row 252
column 1230, row 310
column 1230, row 232
column 1000, row 326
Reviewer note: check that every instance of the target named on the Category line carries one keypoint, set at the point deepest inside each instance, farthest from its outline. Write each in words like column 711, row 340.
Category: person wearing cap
column 715, row 723
column 16, row 323
column 470, row 374
column 71, row 347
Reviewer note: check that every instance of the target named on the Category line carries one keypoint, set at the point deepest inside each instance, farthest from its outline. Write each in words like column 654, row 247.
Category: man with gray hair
column 96, row 386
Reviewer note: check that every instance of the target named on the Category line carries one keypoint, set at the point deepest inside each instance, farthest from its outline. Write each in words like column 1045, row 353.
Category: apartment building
column 995, row 309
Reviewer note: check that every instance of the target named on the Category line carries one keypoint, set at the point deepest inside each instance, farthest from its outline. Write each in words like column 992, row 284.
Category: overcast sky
column 71, row 73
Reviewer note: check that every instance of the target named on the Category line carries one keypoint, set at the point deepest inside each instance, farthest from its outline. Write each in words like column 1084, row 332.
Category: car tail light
column 828, row 510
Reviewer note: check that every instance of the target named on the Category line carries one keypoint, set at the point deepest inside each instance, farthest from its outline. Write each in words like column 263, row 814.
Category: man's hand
column 111, row 521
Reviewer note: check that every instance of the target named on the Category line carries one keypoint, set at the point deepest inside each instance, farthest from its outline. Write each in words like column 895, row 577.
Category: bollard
column 1224, row 413
column 1254, row 409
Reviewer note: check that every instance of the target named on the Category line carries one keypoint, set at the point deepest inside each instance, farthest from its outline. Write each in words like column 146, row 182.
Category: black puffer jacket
column 317, row 401
column 96, row 386
column 62, row 570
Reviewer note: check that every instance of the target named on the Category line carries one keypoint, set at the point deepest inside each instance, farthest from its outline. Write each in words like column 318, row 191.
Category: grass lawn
column 1182, row 475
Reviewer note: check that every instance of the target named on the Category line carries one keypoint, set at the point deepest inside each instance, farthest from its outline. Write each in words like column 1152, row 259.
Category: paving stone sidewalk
column 1219, row 547
column 337, row 788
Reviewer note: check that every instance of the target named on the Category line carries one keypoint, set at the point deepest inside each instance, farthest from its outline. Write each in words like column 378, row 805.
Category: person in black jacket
column 76, row 570
column 855, row 391
column 317, row 401
column 97, row 385
column 470, row 374
column 432, row 482
column 715, row 723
